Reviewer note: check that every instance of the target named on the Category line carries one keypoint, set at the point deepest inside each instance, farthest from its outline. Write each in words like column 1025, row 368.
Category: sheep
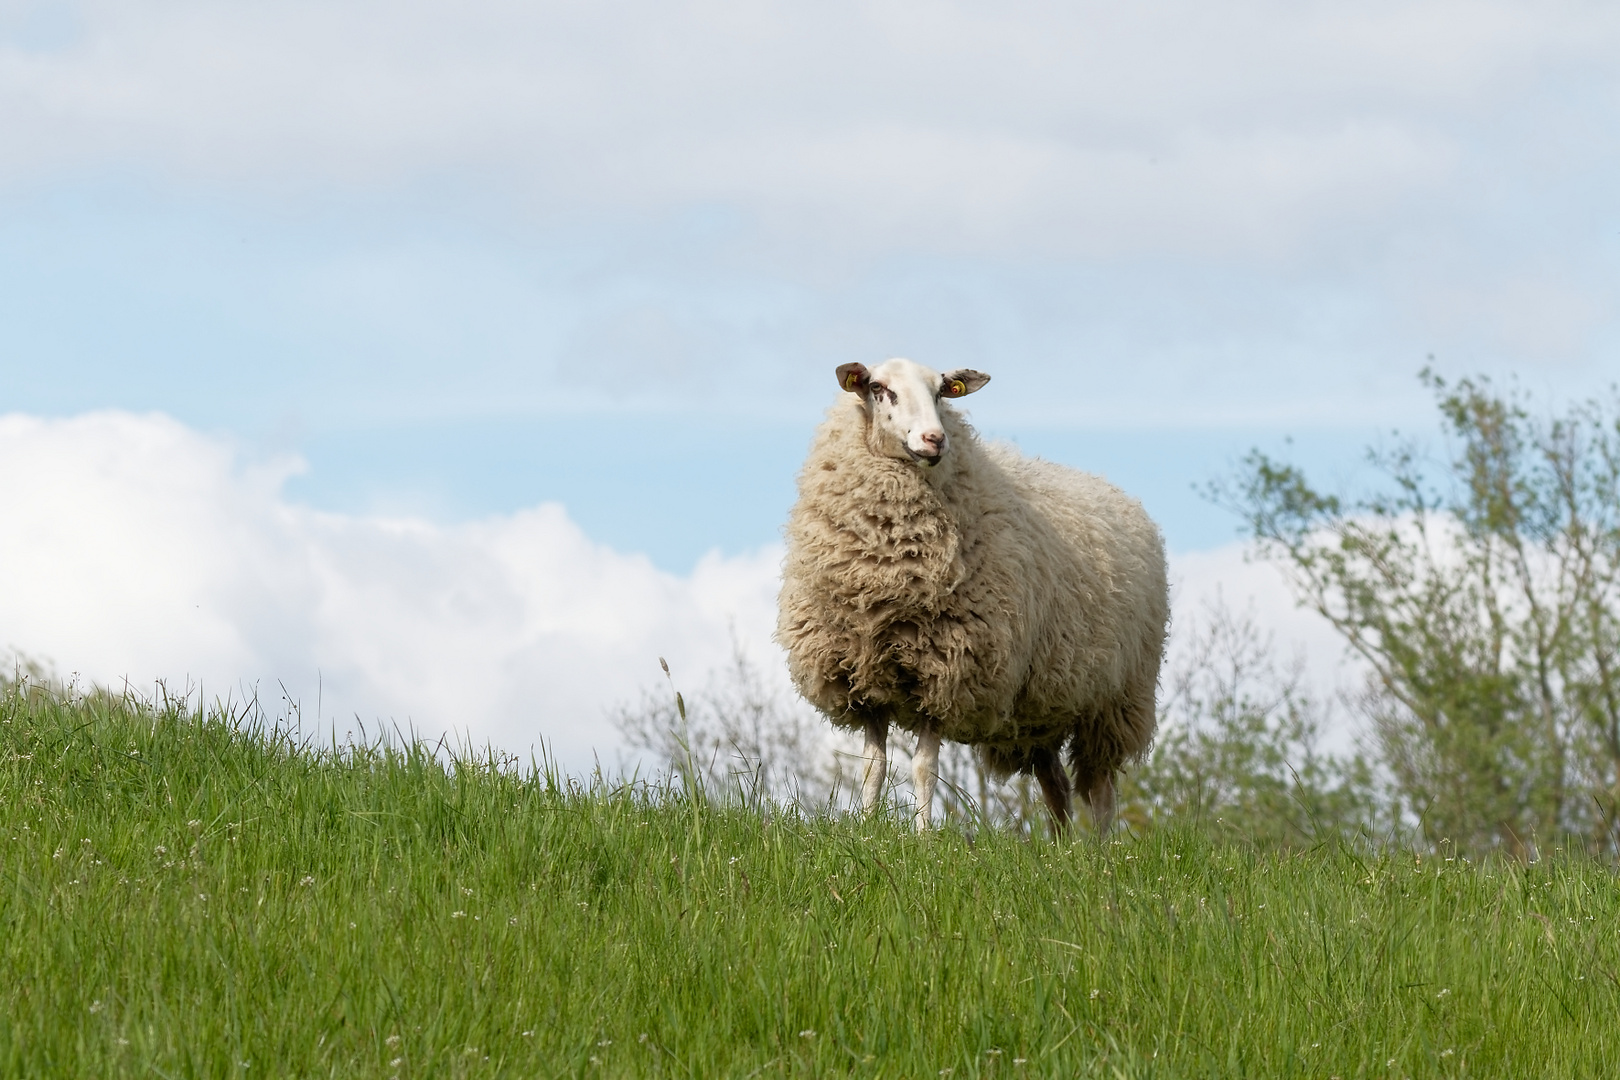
column 959, row 590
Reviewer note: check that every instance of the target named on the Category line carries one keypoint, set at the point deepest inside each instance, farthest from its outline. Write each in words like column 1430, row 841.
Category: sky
column 445, row 365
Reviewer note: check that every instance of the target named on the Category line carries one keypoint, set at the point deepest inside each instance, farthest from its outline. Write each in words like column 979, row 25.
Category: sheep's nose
column 934, row 440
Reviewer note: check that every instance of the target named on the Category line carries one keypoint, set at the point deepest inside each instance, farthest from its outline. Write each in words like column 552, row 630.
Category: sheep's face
column 902, row 403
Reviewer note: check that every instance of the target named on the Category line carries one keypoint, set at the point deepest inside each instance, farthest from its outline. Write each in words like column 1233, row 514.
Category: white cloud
column 133, row 547
column 1163, row 126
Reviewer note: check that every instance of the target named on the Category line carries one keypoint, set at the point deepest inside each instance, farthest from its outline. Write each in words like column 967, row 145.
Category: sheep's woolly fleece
column 1010, row 602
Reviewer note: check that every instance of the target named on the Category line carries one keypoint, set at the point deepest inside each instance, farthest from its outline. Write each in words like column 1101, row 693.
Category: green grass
column 194, row 897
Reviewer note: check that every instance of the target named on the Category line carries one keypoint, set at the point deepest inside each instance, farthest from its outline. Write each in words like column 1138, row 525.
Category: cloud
column 1171, row 126
column 135, row 548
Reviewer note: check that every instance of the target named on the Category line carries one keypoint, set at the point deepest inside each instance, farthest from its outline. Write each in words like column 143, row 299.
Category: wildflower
column 458, row 914
column 1447, row 1052
column 1095, row 993
column 807, row 1033
column 160, row 850
column 528, row 1034
column 392, row 1040
column 193, row 823
column 1443, row 992
column 96, row 1006
column 86, row 840
column 307, row 879
column 396, row 1063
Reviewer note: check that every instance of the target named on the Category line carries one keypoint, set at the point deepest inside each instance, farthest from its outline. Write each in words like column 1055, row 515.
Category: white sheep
column 962, row 591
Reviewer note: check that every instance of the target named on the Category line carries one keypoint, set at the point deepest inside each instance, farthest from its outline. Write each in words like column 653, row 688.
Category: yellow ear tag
column 851, row 381
column 958, row 388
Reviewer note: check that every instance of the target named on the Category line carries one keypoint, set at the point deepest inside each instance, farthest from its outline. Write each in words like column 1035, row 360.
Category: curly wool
column 1007, row 602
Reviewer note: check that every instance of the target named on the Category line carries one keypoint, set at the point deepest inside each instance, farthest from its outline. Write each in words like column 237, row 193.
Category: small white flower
column 1444, row 991
column 96, row 1006
column 1095, row 994
column 807, row 1033
column 392, row 1040
column 1447, row 1052
column 528, row 1034
column 160, row 850
column 307, row 879
column 458, row 914
column 396, row 1063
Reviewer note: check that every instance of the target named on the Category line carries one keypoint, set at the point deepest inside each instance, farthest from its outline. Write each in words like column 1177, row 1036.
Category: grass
column 190, row 895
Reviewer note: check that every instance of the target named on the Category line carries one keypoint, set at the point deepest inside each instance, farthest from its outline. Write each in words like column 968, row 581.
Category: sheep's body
column 996, row 600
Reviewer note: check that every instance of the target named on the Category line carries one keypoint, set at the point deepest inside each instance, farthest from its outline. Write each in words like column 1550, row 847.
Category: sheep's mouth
column 924, row 459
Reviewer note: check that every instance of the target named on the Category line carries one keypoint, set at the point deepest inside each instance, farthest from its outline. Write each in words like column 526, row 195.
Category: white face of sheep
column 902, row 400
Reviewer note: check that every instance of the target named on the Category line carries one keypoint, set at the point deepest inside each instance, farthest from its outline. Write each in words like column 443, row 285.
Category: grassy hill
column 196, row 895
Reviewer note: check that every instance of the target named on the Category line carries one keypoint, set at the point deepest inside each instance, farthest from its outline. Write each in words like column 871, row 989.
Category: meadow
column 198, row 893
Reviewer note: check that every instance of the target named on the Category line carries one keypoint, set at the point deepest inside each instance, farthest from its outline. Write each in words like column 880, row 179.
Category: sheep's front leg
column 1101, row 800
column 924, row 771
column 877, row 764
column 1048, row 769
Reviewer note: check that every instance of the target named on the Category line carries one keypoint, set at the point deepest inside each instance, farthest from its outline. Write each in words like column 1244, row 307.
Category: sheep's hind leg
column 924, row 771
column 877, row 764
column 1100, row 797
column 1048, row 769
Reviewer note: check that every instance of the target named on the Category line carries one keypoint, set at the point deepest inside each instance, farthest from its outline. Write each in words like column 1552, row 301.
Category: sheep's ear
column 854, row 377
column 961, row 382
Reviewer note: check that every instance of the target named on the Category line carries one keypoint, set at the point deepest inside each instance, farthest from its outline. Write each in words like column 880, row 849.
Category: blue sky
column 443, row 263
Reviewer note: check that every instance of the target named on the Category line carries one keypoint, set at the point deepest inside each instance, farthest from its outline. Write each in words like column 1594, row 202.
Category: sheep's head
column 902, row 402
